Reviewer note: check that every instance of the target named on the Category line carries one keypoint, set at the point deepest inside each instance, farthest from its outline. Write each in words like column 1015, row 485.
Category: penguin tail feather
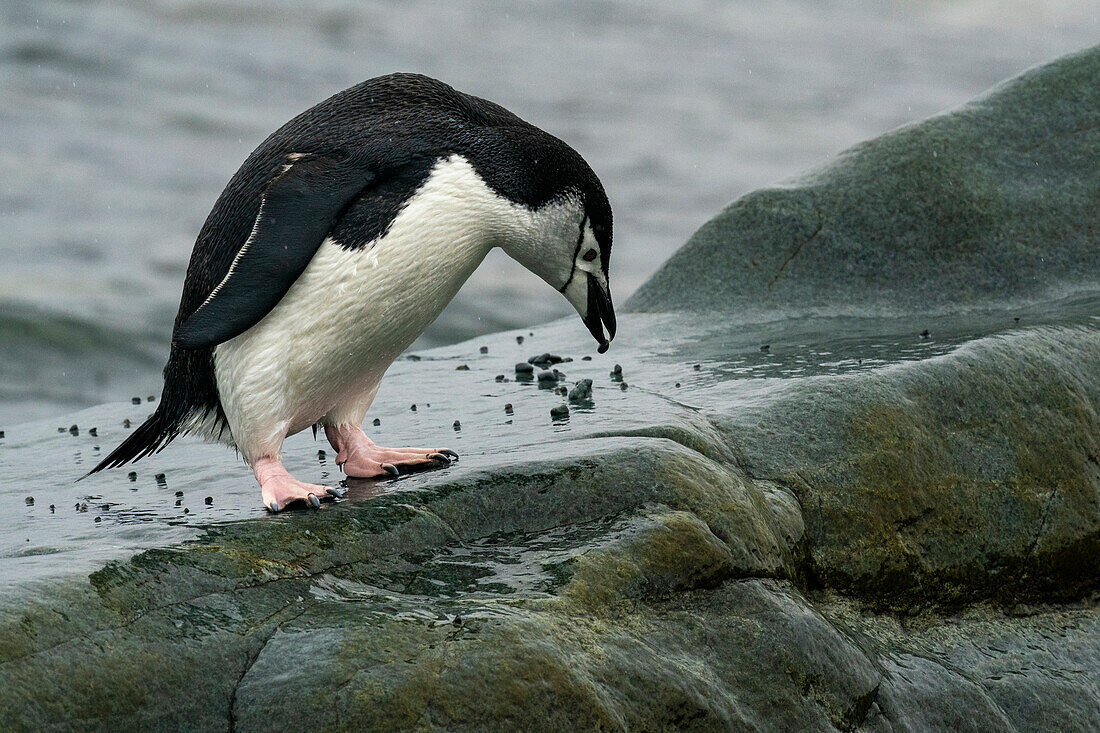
column 150, row 437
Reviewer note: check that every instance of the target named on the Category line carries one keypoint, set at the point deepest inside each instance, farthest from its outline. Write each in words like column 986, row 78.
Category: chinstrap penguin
column 337, row 242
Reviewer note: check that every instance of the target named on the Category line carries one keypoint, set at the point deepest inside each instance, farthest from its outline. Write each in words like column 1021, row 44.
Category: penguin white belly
column 324, row 348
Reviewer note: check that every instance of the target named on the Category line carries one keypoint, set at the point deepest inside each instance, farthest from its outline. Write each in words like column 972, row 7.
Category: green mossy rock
column 994, row 203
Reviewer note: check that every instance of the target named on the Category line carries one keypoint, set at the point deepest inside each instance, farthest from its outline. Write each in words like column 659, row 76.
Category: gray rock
column 992, row 203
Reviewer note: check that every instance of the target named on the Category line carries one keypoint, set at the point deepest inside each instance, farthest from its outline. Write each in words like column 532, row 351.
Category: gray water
column 120, row 123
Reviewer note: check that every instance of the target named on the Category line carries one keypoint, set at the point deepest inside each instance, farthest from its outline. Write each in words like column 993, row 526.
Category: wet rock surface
column 879, row 522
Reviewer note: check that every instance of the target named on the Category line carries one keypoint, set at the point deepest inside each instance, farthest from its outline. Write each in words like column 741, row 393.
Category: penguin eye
column 589, row 255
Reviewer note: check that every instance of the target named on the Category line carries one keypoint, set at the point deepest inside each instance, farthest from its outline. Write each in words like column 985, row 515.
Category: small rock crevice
column 798, row 247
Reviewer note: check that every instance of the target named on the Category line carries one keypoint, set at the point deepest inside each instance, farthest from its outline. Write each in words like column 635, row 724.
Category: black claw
column 314, row 501
column 439, row 457
column 338, row 493
column 391, row 468
column 273, row 507
column 449, row 452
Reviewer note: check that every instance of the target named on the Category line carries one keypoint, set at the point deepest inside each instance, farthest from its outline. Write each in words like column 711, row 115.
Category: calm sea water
column 120, row 122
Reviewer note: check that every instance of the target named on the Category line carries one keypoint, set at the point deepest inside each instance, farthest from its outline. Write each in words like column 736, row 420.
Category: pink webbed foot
column 279, row 488
column 361, row 458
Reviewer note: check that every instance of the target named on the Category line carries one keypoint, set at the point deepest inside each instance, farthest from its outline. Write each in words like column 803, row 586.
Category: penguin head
column 569, row 246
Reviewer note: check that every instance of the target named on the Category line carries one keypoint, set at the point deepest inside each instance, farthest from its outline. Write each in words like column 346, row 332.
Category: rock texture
column 993, row 203
column 875, row 509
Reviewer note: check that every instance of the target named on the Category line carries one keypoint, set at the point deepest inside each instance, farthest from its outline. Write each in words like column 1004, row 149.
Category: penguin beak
column 599, row 313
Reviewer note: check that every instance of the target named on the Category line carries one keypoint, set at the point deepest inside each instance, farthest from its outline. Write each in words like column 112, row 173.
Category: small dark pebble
column 61, row 430
column 925, row 334
column 586, row 358
column 186, row 510
column 320, row 455
column 617, row 369
column 500, row 377
column 162, row 482
column 508, row 409
column 98, row 520
column 462, row 368
column 52, row 508
column 126, row 423
column 507, row 422
column 483, row 350
column 1016, row 319
column 179, row 494
column 132, row 475
column 92, row 432
column 547, row 376
column 545, row 359
column 151, row 398
column 179, row 502
column 376, row 422
column 457, row 621
column 74, row 430
column 622, row 386
column 413, row 357
column 524, row 368
column 563, row 390
column 135, row 400
column 519, row 339
column 677, row 385
column 697, row 367
column 581, row 392
column 457, row 426
column 413, row 407
column 2, row 433
column 29, row 501
column 559, row 413
column 766, row 347
column 209, row 500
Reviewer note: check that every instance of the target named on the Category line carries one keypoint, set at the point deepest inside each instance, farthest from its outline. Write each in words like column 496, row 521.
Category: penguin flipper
column 298, row 210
